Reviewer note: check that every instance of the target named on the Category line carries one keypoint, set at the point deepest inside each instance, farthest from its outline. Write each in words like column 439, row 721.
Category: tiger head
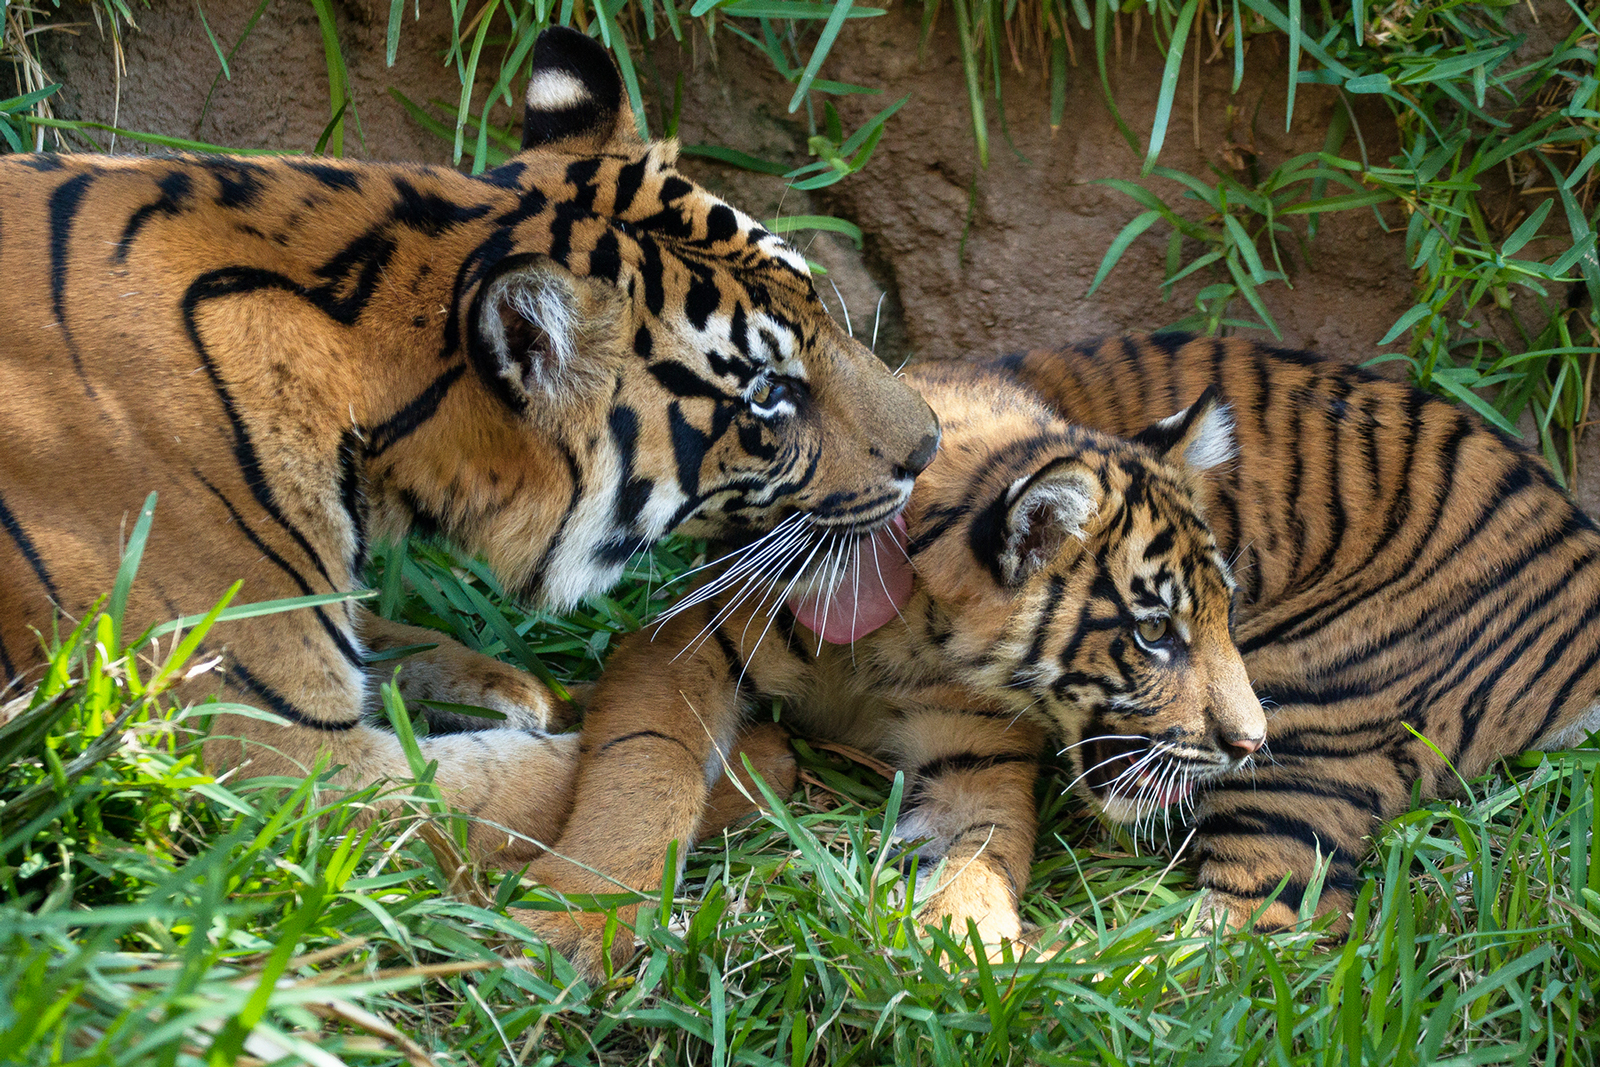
column 1088, row 588
column 674, row 347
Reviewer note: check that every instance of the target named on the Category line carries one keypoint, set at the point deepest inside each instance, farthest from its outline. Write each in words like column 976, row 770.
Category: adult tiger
column 553, row 364
column 1398, row 563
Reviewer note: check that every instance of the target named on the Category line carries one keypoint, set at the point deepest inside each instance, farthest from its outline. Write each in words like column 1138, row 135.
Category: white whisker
column 846, row 307
column 877, row 317
column 1102, row 737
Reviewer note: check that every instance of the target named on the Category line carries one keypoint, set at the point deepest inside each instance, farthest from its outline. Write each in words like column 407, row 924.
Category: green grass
column 152, row 914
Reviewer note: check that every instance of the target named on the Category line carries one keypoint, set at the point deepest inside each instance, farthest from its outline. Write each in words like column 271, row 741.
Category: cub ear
column 1042, row 511
column 531, row 323
column 575, row 96
column 1200, row 435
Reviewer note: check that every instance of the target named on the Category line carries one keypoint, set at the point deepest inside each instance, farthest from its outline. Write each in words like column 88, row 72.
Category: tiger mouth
column 1135, row 771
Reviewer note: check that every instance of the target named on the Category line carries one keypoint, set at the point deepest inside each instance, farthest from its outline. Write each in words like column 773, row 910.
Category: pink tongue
column 875, row 582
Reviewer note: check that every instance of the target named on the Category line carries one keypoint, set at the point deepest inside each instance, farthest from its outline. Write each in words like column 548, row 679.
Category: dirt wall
column 968, row 261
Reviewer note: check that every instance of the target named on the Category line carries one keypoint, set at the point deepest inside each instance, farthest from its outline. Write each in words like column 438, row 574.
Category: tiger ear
column 574, row 96
column 530, row 326
column 1200, row 435
column 1043, row 511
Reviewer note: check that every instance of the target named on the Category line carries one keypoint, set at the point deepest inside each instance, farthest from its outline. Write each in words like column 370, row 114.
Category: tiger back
column 552, row 364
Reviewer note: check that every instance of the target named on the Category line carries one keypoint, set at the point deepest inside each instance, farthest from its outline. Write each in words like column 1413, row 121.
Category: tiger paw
column 1005, row 939
column 1228, row 912
column 581, row 936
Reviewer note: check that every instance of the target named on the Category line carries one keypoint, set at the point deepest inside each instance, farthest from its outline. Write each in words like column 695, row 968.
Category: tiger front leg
column 656, row 738
column 514, row 785
column 969, row 798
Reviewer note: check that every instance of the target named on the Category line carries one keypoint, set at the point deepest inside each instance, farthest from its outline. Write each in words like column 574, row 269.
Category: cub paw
column 580, row 936
column 1228, row 912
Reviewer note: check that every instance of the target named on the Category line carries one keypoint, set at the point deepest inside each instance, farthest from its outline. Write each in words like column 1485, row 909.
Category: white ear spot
column 1212, row 441
column 555, row 90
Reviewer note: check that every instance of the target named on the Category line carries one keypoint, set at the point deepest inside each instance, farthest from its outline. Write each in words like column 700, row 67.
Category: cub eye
column 1153, row 629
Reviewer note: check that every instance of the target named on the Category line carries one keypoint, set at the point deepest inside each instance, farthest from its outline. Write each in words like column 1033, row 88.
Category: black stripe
column 1559, row 704
column 1360, row 797
column 961, row 762
column 730, row 655
column 346, row 649
column 350, row 497
column 7, row 666
column 1253, row 825
column 626, row 187
column 1057, row 588
column 276, row 702
column 682, row 382
column 1334, row 502
column 29, row 552
column 636, row 735
column 64, row 204
column 419, row 410
column 231, row 281
column 175, row 191
column 536, row 580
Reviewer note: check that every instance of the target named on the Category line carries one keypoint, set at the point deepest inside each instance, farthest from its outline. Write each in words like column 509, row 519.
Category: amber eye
column 769, row 394
column 1153, row 629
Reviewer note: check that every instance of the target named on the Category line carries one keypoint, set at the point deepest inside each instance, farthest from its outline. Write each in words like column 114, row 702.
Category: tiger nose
column 918, row 461
column 1240, row 747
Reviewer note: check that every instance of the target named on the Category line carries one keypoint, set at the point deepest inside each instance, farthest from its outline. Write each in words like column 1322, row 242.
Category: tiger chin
column 1368, row 563
column 552, row 363
column 1066, row 585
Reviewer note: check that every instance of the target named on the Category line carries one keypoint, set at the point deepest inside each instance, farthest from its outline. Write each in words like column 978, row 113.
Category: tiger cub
column 552, row 364
column 1064, row 578
column 1380, row 559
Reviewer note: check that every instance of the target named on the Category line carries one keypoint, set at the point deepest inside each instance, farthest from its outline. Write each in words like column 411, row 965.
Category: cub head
column 673, row 348
column 1089, row 589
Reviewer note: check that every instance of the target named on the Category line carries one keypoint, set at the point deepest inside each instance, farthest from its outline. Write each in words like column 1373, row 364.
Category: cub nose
column 918, row 461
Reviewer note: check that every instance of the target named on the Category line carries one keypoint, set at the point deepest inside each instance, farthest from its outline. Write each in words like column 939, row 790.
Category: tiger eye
column 763, row 394
column 1153, row 629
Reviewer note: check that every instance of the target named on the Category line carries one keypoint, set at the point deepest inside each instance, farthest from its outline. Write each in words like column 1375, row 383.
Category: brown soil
column 972, row 261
